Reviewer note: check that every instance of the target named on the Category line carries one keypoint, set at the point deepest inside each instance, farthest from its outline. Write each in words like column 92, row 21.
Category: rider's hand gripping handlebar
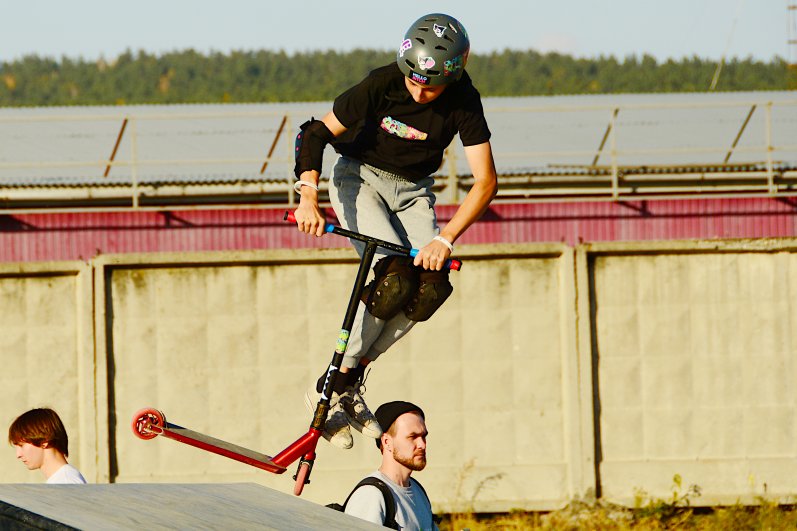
column 451, row 263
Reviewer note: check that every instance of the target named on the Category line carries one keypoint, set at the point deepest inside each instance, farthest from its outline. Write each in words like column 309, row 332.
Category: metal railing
column 765, row 168
column 556, row 173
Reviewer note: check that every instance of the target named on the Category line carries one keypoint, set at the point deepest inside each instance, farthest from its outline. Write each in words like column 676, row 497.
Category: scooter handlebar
column 291, row 218
column 451, row 263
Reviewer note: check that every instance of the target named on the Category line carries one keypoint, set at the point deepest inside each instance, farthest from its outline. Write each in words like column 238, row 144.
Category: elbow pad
column 313, row 137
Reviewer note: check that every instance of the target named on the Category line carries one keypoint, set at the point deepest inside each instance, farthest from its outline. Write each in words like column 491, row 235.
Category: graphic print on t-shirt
column 401, row 130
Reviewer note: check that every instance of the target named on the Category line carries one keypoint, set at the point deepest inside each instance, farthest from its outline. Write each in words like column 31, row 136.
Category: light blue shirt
column 413, row 509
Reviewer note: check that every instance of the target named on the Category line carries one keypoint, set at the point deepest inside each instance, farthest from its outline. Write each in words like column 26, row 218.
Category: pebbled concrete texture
column 165, row 506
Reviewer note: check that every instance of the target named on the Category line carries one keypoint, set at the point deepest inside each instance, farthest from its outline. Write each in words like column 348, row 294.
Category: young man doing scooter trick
column 391, row 130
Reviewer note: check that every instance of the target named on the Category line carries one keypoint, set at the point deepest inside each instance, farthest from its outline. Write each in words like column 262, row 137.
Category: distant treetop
column 267, row 76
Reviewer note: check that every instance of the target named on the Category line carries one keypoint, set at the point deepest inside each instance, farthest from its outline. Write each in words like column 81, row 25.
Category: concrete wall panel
column 47, row 355
column 696, row 369
column 220, row 348
column 500, row 356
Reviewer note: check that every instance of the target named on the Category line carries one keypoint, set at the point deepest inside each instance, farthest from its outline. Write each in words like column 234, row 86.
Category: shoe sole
column 368, row 432
column 336, row 442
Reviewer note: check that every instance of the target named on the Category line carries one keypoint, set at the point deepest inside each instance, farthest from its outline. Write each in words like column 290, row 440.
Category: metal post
column 770, row 149
column 289, row 176
column 273, row 145
column 134, row 159
column 605, row 136
column 453, row 184
column 115, row 147
column 739, row 134
column 792, row 42
column 613, row 152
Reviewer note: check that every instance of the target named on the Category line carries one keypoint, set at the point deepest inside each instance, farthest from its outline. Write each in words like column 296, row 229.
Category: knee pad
column 433, row 290
column 395, row 282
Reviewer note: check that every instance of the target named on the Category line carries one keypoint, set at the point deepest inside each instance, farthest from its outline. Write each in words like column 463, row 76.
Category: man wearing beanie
column 403, row 447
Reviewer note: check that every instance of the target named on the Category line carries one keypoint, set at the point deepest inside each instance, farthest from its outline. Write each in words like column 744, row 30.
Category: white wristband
column 297, row 187
column 445, row 242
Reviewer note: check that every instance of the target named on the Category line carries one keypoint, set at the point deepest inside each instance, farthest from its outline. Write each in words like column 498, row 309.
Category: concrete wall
column 656, row 358
column 695, row 353
column 47, row 356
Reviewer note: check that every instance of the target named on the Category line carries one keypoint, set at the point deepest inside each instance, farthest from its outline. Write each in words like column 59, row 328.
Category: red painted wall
column 71, row 236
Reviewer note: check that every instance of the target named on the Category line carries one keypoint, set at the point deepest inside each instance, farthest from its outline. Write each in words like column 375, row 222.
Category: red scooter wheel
column 301, row 477
column 148, row 423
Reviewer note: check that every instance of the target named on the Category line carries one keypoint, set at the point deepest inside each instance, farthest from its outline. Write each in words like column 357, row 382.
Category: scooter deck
column 224, row 448
column 150, row 423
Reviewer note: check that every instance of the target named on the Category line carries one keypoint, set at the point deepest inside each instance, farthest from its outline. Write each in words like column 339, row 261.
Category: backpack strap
column 387, row 494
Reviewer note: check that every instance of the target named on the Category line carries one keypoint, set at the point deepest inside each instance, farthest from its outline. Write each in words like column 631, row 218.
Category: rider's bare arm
column 485, row 186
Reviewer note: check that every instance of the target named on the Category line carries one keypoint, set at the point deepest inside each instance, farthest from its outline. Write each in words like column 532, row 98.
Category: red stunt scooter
column 148, row 423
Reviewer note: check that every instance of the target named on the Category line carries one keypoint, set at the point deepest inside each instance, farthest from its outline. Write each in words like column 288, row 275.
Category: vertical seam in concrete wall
column 594, row 359
column 570, row 391
column 101, row 373
column 589, row 485
column 87, row 411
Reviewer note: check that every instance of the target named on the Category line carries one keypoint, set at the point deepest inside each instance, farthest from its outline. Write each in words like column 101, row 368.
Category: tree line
column 269, row 76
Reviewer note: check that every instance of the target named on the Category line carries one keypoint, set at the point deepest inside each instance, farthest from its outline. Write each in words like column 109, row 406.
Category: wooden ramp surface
column 164, row 506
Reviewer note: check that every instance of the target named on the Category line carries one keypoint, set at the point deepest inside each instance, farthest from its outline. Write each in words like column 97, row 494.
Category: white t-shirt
column 67, row 474
column 413, row 510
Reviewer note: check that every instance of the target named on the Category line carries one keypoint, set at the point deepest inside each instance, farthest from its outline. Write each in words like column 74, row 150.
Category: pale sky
column 90, row 29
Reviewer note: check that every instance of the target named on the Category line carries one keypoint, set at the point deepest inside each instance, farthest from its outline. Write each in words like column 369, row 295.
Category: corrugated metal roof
column 226, row 144
column 195, row 143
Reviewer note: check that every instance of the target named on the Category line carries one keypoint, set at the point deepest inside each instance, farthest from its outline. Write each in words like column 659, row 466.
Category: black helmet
column 434, row 50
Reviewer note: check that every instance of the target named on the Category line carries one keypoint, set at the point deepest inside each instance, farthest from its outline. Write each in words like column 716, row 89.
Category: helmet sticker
column 452, row 66
column 406, row 45
column 419, row 78
column 401, row 130
column 425, row 62
column 439, row 30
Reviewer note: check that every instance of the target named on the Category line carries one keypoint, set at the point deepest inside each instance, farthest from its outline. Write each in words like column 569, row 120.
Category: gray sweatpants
column 382, row 205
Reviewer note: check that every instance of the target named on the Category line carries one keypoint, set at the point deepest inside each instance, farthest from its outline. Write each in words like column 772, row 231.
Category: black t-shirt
column 387, row 129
